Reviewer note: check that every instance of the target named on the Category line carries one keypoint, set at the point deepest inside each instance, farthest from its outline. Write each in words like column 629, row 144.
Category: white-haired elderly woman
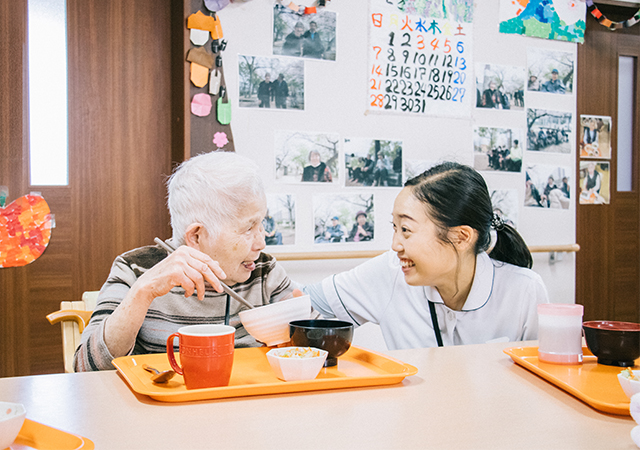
column 217, row 203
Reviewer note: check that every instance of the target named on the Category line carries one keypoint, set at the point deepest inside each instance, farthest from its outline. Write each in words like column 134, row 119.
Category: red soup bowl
column 614, row 343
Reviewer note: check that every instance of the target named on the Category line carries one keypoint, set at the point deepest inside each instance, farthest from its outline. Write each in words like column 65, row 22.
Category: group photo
column 306, row 36
column 550, row 71
column 343, row 218
column 547, row 187
column 549, row 131
column 498, row 149
column 270, row 83
column 372, row 162
column 499, row 87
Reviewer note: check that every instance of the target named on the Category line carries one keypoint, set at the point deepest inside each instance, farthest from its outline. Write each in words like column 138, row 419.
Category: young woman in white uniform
column 439, row 286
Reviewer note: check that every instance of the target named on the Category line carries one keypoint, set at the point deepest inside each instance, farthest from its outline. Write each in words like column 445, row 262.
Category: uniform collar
column 481, row 288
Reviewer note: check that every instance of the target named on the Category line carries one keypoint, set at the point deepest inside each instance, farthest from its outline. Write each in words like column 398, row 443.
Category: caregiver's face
column 425, row 259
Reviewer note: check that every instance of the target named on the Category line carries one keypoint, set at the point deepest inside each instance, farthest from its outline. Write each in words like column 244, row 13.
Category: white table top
column 466, row 397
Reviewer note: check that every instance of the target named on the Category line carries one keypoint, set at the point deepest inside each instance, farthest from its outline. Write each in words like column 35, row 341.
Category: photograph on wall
column 500, row 87
column 505, row 203
column 415, row 167
column 562, row 20
column 280, row 221
column 305, row 36
column 595, row 137
column 372, row 162
column 549, row 131
column 595, row 183
column 270, row 83
column 343, row 218
column 497, row 149
column 547, row 187
column 306, row 157
column 550, row 71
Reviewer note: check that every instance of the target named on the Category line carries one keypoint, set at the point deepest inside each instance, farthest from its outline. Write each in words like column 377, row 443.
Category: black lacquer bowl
column 614, row 343
column 334, row 336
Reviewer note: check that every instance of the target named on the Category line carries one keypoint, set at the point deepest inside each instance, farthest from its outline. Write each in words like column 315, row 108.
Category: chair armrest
column 79, row 316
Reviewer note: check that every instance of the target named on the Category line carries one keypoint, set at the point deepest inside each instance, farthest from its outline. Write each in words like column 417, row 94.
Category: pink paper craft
column 201, row 105
column 220, row 139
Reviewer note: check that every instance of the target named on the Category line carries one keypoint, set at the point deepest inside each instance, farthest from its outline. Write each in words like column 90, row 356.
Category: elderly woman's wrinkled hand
column 186, row 267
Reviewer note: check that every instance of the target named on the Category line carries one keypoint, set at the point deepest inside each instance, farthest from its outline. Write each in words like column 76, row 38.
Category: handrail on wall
column 305, row 256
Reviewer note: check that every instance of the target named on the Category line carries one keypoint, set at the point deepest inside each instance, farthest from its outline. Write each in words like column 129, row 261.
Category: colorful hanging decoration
column 25, row 230
column 602, row 19
column 206, row 68
column 201, row 105
column 302, row 10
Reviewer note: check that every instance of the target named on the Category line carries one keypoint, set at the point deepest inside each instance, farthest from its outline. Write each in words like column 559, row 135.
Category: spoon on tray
column 159, row 377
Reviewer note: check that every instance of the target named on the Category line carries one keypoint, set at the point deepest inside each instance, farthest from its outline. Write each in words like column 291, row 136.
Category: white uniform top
column 502, row 303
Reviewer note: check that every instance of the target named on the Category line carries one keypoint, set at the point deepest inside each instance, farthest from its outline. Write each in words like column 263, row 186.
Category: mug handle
column 171, row 356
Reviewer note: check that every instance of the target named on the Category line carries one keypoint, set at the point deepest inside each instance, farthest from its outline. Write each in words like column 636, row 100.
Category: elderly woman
column 217, row 203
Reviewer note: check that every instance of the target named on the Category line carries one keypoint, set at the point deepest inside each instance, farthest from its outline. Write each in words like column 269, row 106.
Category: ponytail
column 456, row 195
column 510, row 247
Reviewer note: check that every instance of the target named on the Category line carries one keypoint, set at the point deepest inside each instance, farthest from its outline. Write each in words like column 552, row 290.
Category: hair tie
column 496, row 222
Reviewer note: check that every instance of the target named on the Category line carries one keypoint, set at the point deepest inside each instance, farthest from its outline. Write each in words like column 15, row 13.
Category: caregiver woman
column 439, row 286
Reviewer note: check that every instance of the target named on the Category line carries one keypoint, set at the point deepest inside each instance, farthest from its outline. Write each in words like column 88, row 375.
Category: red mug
column 206, row 354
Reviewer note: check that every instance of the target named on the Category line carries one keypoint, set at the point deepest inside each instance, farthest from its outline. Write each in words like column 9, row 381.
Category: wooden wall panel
column 608, row 264
column 14, row 348
column 120, row 127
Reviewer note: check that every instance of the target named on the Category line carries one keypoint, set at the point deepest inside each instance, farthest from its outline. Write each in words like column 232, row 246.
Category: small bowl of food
column 614, row 343
column 629, row 381
column 334, row 336
column 269, row 324
column 296, row 363
column 11, row 419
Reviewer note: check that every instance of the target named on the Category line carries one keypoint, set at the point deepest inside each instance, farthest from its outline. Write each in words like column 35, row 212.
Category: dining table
column 462, row 397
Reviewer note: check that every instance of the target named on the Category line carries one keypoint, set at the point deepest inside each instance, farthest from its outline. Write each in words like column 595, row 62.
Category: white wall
column 335, row 101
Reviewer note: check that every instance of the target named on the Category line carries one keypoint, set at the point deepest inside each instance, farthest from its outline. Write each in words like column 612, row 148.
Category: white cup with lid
column 560, row 333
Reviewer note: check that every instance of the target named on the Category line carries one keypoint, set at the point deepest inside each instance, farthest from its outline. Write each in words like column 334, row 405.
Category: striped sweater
column 268, row 283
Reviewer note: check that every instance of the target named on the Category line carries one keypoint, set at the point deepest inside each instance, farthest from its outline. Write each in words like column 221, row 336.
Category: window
column 48, row 131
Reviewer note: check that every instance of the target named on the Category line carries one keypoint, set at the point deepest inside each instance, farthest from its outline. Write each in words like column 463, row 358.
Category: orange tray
column 42, row 437
column 593, row 383
column 252, row 375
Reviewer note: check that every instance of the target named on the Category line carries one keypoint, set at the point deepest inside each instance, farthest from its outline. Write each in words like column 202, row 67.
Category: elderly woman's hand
column 186, row 267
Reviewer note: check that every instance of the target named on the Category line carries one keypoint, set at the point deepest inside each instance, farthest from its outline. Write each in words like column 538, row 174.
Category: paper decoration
column 199, row 75
column 302, row 10
column 454, row 10
column 224, row 111
column 200, row 56
column 215, row 5
column 602, row 19
column 201, row 105
column 562, row 20
column 214, row 82
column 25, row 230
column 418, row 65
column 220, row 139
column 199, row 37
column 201, row 21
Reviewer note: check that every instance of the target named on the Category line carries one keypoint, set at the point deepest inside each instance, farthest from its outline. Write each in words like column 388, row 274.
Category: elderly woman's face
column 239, row 244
